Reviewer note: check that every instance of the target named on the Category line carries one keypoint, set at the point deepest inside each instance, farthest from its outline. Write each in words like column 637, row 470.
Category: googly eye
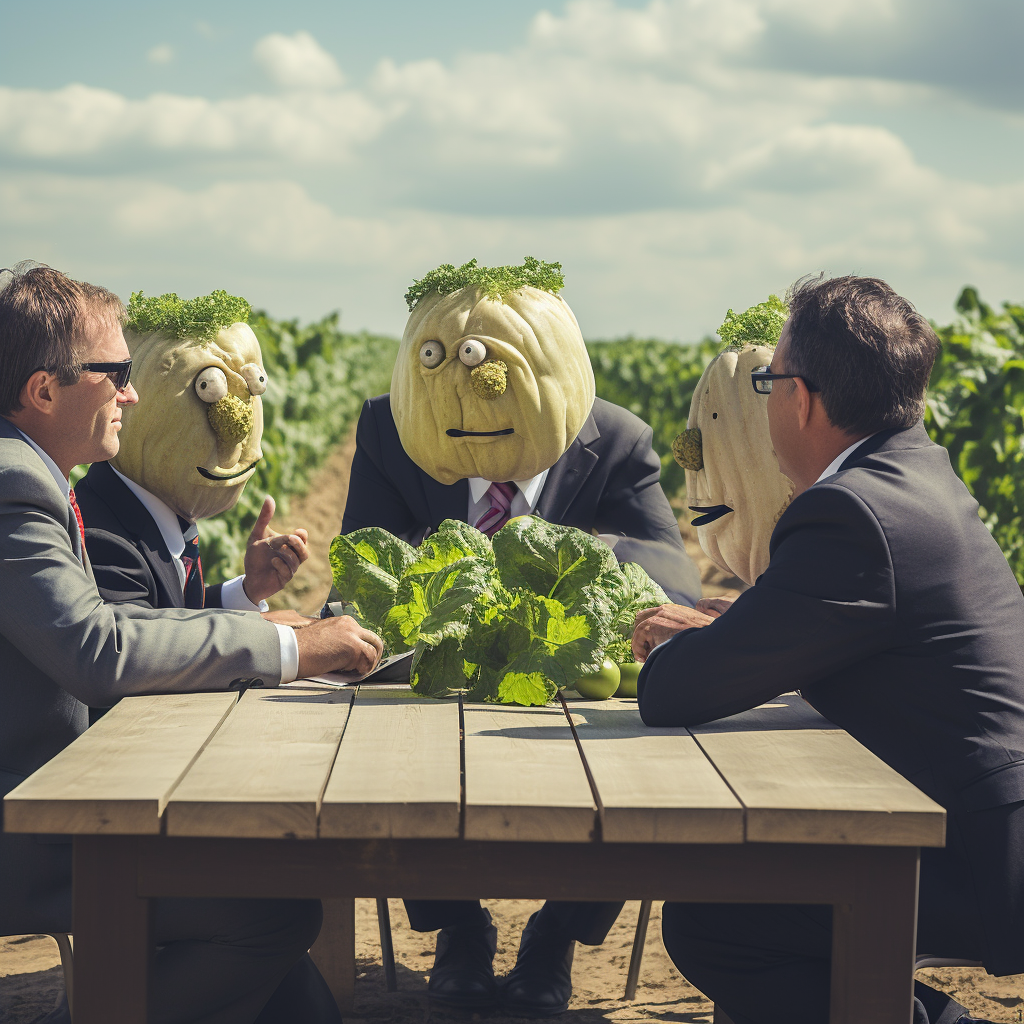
column 255, row 377
column 211, row 384
column 432, row 354
column 472, row 352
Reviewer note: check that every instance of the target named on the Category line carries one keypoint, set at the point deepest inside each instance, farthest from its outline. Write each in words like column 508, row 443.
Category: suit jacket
column 62, row 648
column 606, row 481
column 890, row 606
column 129, row 558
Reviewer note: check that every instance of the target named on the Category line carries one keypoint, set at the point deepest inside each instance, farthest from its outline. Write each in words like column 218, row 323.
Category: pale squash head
column 193, row 439
column 490, row 382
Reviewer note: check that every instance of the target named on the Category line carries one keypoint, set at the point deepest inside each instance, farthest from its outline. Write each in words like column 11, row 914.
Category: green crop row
column 317, row 379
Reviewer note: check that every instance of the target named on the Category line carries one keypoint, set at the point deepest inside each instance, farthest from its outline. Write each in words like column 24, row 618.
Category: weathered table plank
column 653, row 785
column 264, row 772
column 397, row 771
column 802, row 780
column 116, row 778
column 524, row 777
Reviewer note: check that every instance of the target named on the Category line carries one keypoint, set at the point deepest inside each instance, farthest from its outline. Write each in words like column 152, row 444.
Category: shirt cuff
column 232, row 595
column 289, row 652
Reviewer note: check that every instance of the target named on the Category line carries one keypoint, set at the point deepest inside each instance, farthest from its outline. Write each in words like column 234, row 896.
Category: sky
column 677, row 157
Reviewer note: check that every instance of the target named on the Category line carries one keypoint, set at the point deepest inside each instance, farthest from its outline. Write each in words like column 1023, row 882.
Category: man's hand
column 714, row 606
column 271, row 558
column 654, row 626
column 337, row 644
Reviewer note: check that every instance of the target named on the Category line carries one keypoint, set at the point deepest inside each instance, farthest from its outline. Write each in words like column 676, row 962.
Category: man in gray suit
column 64, row 369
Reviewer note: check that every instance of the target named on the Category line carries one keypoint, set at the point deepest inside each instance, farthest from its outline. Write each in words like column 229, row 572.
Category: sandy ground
column 31, row 977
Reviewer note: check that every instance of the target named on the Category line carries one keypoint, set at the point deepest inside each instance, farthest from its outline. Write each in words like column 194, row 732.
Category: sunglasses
column 119, row 373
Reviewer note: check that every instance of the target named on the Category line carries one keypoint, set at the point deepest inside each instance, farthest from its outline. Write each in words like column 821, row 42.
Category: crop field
column 319, row 376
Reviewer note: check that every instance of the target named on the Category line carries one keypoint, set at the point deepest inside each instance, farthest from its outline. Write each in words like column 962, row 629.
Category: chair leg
column 334, row 951
column 387, row 949
column 637, row 956
column 67, row 962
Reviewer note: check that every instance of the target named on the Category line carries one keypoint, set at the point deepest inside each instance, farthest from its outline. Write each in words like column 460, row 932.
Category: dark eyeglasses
column 119, row 373
column 761, row 380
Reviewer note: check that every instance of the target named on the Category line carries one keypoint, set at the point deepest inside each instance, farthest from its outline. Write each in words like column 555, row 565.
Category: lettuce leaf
column 367, row 565
column 557, row 561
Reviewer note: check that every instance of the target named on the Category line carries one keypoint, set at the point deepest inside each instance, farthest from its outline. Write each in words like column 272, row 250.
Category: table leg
column 873, row 941
column 334, row 951
column 113, row 933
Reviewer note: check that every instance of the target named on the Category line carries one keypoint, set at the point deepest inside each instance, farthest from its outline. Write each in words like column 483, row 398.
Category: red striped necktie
column 194, row 591
column 499, row 513
column 78, row 515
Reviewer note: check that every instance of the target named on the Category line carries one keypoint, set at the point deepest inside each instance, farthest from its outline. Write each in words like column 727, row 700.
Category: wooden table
column 305, row 791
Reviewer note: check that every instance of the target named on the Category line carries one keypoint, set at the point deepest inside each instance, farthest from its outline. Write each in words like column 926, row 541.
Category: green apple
column 627, row 675
column 599, row 685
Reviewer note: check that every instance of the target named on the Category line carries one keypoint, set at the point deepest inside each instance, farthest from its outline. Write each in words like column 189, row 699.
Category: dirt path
column 30, row 976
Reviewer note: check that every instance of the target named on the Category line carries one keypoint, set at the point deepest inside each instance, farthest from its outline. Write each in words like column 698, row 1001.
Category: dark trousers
column 588, row 923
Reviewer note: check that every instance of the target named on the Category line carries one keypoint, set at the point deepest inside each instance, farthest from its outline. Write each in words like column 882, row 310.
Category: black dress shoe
column 540, row 984
column 463, row 972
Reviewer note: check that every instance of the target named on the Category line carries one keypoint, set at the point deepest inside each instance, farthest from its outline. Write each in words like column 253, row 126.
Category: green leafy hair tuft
column 760, row 325
column 495, row 282
column 200, row 318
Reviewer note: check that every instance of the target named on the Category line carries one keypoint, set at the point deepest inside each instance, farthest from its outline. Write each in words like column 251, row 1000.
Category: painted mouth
column 229, row 476
column 454, row 432
column 710, row 514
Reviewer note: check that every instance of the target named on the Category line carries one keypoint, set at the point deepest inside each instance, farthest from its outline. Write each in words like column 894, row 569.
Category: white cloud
column 297, row 62
column 162, row 54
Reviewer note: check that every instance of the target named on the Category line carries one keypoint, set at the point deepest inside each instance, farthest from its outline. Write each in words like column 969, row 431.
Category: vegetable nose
column 687, row 449
column 489, row 379
column 231, row 419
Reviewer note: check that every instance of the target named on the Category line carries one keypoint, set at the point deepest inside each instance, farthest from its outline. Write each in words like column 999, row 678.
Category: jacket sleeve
column 122, row 574
column 634, row 507
column 51, row 611
column 373, row 498
column 826, row 601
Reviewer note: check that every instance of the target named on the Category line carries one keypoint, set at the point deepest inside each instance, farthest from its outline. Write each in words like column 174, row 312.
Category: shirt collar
column 833, row 466
column 58, row 477
column 530, row 488
column 165, row 518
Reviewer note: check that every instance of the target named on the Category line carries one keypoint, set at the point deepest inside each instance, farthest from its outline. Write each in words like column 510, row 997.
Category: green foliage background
column 319, row 376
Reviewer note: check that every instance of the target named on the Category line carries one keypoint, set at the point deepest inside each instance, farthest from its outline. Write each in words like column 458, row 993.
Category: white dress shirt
column 232, row 594
column 523, row 503
column 833, row 466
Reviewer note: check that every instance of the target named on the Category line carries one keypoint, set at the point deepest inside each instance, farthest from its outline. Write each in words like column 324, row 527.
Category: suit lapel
column 568, row 475
column 140, row 526
column 445, row 501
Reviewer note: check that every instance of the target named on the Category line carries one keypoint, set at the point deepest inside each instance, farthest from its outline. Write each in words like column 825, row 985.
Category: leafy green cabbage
column 510, row 621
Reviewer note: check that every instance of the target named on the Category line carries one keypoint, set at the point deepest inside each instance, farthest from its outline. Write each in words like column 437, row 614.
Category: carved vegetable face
column 194, row 438
column 733, row 480
column 487, row 388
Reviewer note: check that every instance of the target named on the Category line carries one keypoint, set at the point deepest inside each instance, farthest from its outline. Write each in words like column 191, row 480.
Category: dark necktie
column 500, row 496
column 194, row 591
column 78, row 516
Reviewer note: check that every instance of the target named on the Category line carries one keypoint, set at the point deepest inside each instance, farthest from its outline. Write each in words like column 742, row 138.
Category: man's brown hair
column 864, row 347
column 43, row 314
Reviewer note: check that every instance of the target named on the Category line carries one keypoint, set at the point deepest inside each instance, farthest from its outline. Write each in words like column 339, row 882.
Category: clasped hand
column 654, row 626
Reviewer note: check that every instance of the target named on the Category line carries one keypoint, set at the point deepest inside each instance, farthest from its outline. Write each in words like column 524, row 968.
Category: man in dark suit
column 607, row 481
column 889, row 606
column 64, row 381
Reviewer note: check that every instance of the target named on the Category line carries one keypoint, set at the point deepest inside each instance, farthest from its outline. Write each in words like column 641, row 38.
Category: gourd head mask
column 492, row 378
column 193, row 440
column 733, row 481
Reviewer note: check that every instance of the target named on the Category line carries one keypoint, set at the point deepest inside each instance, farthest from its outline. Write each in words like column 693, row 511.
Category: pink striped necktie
column 498, row 514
